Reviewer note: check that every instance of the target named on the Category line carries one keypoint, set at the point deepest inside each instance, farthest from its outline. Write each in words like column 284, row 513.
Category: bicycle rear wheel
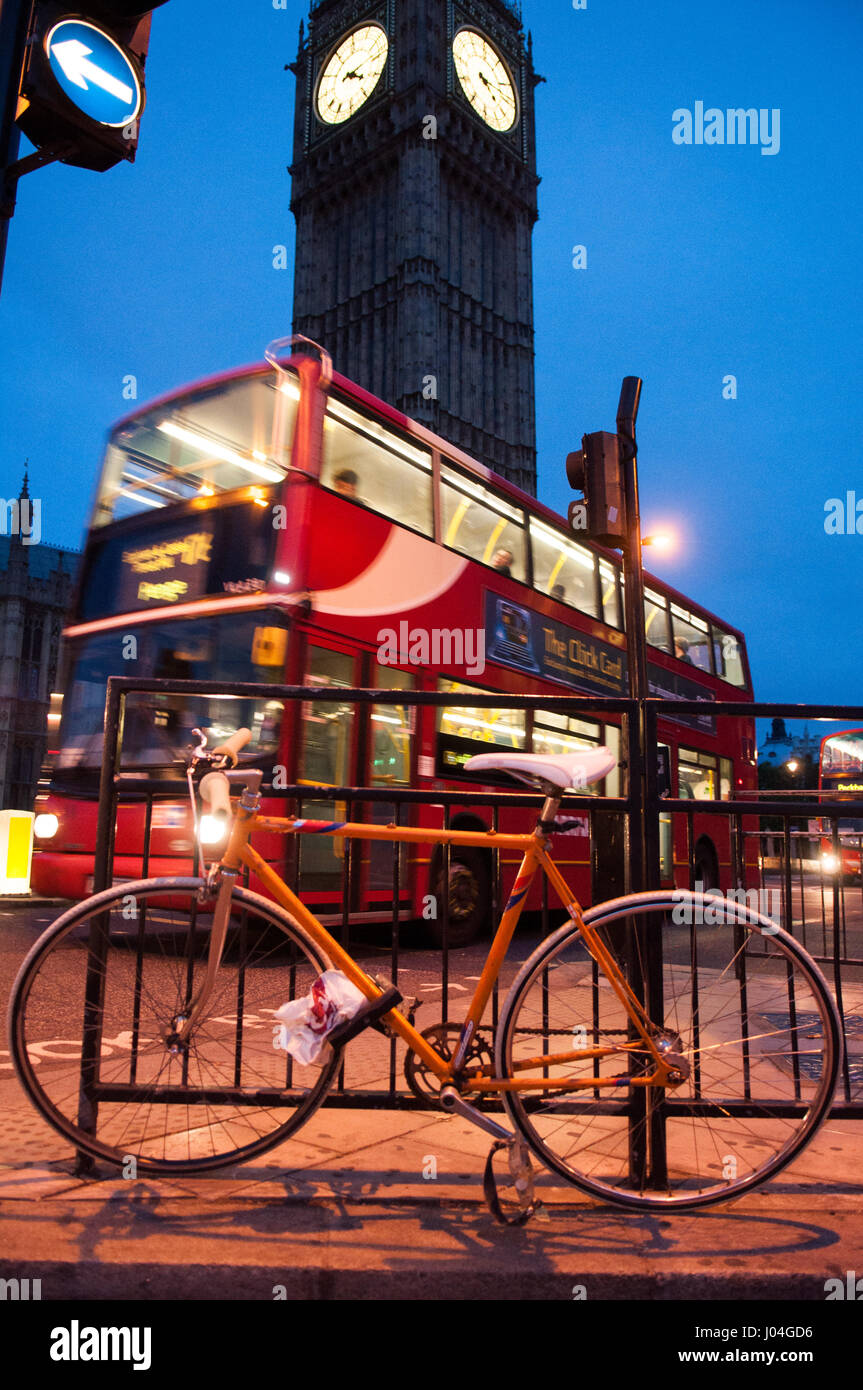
column 739, row 1001
column 99, row 990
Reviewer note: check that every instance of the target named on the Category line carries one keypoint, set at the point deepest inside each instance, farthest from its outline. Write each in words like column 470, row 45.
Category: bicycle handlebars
column 214, row 787
column 232, row 746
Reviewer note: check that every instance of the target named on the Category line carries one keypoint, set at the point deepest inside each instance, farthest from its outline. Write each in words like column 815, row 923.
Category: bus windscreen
column 158, row 728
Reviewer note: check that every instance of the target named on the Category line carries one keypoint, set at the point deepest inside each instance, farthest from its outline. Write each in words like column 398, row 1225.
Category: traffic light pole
column 14, row 16
column 647, row 852
column 648, row 1161
column 633, row 579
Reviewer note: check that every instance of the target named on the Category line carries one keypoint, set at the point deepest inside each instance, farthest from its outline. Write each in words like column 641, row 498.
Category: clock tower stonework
column 415, row 197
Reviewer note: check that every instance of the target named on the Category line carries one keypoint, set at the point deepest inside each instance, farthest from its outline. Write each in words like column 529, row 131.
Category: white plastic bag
column 307, row 1021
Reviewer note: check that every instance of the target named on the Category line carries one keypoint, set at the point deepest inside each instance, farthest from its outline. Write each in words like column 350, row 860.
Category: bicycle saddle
column 575, row 770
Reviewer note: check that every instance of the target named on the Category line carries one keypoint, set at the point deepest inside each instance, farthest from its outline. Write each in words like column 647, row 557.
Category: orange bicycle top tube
column 401, row 834
column 533, row 847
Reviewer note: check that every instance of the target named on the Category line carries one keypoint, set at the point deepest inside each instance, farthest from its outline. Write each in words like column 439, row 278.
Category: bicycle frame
column 535, row 856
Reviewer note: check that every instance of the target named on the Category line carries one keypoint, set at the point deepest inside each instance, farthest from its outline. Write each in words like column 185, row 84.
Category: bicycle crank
column 454, row 1104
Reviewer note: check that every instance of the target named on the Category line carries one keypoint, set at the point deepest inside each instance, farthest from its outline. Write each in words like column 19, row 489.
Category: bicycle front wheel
column 97, row 995
column 732, row 995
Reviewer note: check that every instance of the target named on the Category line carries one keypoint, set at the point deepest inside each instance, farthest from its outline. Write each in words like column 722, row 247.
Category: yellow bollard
column 16, row 851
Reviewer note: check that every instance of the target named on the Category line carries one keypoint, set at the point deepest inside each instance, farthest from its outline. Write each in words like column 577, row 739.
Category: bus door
column 326, row 759
column 666, row 829
column 389, row 744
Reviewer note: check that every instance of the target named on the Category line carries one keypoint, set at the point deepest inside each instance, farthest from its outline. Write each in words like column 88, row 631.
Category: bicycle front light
column 212, row 830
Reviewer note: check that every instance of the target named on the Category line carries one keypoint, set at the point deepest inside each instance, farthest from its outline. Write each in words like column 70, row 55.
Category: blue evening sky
column 702, row 261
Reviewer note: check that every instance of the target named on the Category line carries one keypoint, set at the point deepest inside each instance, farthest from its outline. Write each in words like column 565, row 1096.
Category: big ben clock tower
column 415, row 195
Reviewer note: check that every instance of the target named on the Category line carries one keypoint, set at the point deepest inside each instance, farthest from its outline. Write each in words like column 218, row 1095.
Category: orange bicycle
column 649, row 1061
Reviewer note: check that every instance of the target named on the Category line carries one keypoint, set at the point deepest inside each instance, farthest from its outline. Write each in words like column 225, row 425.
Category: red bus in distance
column 840, row 778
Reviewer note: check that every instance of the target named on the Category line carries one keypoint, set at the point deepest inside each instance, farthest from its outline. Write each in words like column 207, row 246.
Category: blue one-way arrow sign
column 94, row 72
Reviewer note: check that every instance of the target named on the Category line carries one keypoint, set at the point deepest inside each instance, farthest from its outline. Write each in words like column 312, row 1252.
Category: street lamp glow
column 792, row 765
column 660, row 540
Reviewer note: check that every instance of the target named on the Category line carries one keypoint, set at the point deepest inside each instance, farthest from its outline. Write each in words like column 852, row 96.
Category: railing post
column 105, row 825
column 98, row 945
column 636, row 939
column 651, row 939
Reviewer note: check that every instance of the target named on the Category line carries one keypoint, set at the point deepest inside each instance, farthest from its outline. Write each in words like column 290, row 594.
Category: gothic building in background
column 415, row 197
column 35, row 592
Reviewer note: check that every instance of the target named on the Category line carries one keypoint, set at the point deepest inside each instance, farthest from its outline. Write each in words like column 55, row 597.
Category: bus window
column 201, row 445
column 461, row 728
column 609, row 577
column 728, row 654
column 726, row 779
column 696, row 775
column 564, row 570
column 666, row 826
column 691, row 638
column 325, row 760
column 371, row 464
column 617, row 776
column 558, row 733
column 482, row 525
column 656, row 620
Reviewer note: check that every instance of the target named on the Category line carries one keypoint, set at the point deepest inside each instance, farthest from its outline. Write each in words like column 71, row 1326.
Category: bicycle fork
column 176, row 1034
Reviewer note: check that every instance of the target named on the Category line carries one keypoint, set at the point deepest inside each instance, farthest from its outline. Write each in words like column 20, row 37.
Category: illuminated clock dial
column 485, row 80
column 351, row 74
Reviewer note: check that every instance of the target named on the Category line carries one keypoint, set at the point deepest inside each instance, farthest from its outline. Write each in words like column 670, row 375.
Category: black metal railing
column 823, row 917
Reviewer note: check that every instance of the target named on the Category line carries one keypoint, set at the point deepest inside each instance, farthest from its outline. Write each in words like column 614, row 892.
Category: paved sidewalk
column 345, row 1211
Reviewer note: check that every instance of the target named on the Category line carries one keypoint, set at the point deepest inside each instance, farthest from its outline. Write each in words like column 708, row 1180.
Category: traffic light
column 595, row 471
column 82, row 86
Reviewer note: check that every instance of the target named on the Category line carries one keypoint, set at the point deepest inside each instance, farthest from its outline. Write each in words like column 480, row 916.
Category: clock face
column 351, row 74
column 485, row 80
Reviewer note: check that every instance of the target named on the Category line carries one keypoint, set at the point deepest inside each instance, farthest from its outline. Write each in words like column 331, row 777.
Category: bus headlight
column 45, row 826
column 212, row 830
column 830, row 863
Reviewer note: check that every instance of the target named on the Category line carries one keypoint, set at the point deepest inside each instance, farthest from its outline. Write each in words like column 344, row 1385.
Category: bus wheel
column 706, row 866
column 469, row 898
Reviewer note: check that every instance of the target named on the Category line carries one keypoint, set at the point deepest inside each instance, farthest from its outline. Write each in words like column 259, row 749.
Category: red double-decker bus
column 278, row 524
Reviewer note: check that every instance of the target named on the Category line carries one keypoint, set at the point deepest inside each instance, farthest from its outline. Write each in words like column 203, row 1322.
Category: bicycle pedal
column 521, row 1174
column 366, row 1018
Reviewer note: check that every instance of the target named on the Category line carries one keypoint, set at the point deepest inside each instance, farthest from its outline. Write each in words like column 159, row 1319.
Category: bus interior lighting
column 219, row 451
column 138, row 497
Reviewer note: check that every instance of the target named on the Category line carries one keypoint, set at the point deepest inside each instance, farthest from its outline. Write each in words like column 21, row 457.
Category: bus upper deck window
column 656, row 620
column 196, row 445
column 370, row 463
column 480, row 524
column 728, row 654
column 611, row 586
column 563, row 569
column 691, row 638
